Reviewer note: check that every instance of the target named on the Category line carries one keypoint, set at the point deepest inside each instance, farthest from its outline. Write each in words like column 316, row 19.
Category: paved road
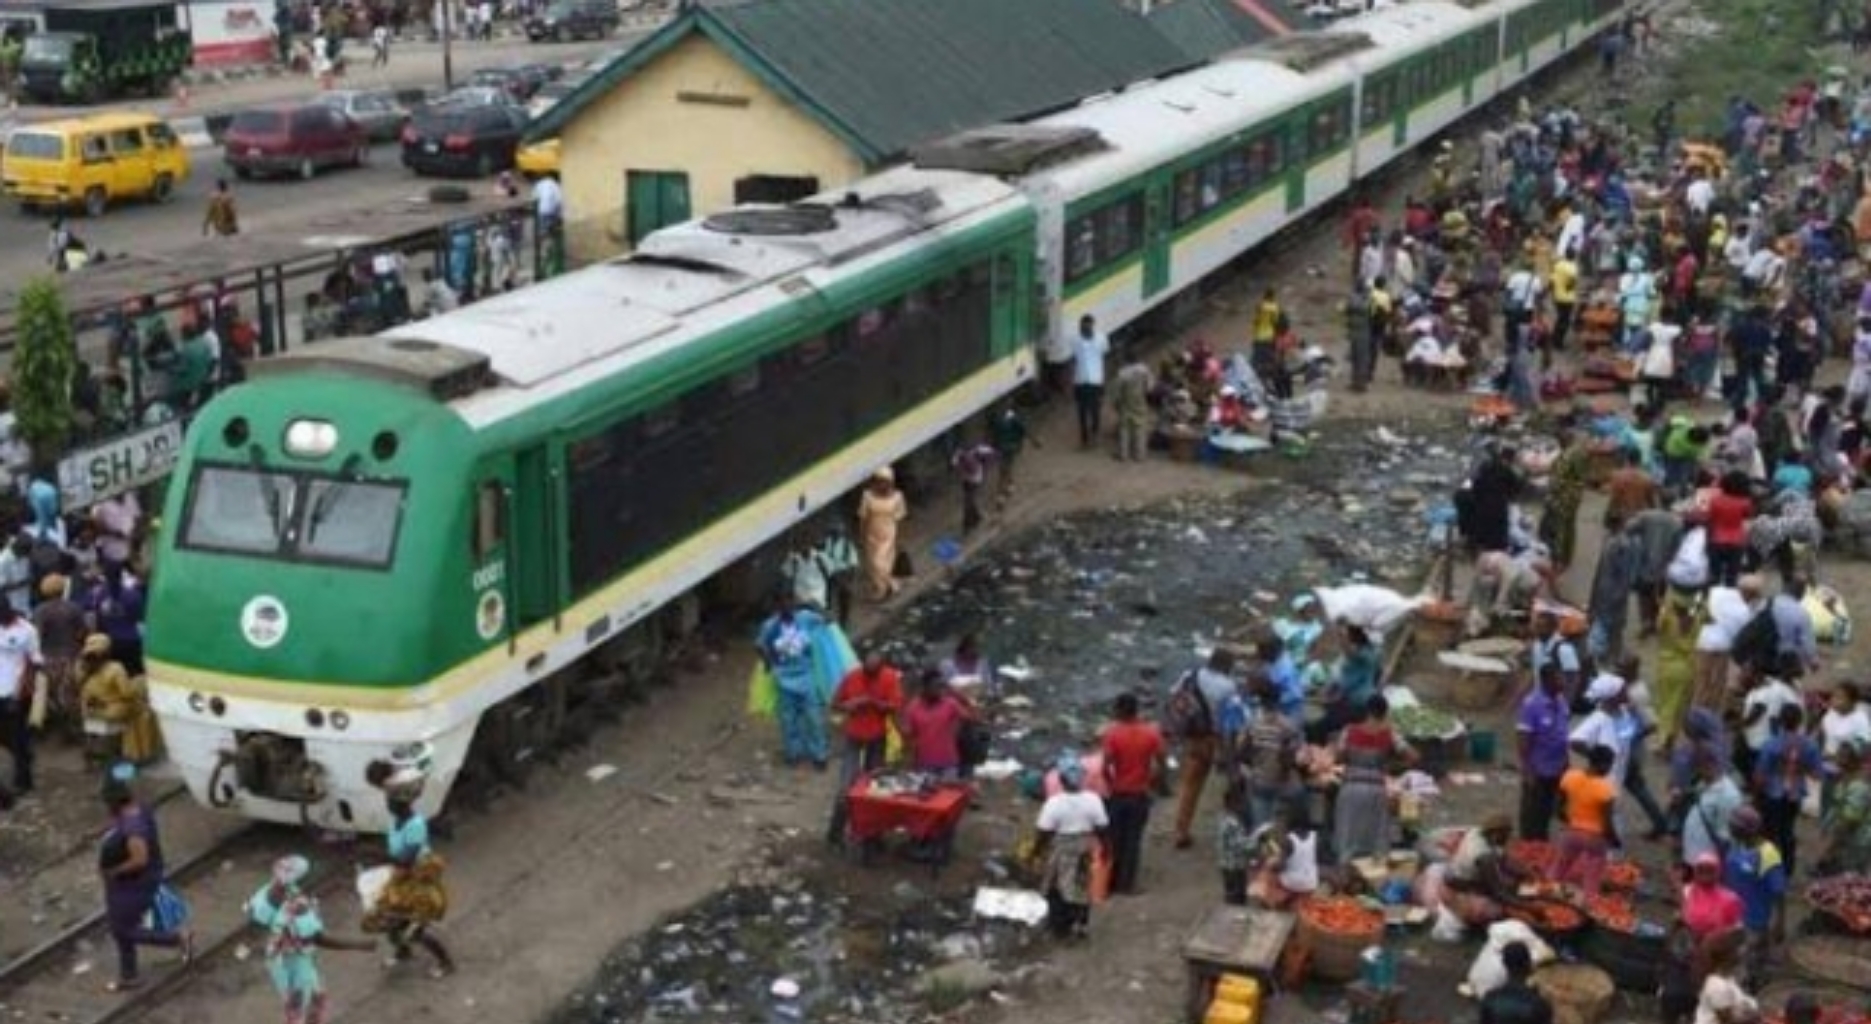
column 265, row 205
column 419, row 65
column 269, row 205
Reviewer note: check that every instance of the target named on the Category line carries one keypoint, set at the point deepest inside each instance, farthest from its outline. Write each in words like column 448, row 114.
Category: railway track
column 63, row 978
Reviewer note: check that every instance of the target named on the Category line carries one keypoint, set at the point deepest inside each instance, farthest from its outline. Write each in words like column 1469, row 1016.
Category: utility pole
column 448, row 45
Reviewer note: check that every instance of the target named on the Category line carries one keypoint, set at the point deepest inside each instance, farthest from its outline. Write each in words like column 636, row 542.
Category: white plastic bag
column 1448, row 927
column 1368, row 607
column 370, row 886
column 1488, row 973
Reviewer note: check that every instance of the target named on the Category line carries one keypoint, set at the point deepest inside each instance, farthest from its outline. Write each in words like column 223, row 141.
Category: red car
column 298, row 139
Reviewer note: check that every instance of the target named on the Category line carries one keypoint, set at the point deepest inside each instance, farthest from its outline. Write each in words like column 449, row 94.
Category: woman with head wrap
column 1070, row 823
column 118, row 722
column 415, row 897
column 294, row 934
column 1846, row 826
column 61, row 626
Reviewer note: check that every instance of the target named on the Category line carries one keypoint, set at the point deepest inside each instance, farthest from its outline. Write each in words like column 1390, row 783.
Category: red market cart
column 928, row 815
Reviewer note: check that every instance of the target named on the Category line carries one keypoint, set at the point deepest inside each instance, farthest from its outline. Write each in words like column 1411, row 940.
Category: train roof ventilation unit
column 799, row 219
column 443, row 371
column 1008, row 150
column 1303, row 52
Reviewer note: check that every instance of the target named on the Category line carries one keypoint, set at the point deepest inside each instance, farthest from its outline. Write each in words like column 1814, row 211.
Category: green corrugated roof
column 1205, row 29
column 887, row 74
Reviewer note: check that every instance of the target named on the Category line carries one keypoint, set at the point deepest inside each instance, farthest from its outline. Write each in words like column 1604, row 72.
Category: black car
column 564, row 20
column 470, row 140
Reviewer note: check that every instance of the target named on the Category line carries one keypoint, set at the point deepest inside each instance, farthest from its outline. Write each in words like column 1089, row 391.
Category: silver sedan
column 376, row 109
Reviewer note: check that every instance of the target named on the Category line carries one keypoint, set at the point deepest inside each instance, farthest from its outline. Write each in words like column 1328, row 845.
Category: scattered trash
column 1021, row 905
column 600, row 772
column 998, row 769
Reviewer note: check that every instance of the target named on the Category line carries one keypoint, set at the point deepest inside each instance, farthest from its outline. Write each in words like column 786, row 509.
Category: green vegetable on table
column 1424, row 721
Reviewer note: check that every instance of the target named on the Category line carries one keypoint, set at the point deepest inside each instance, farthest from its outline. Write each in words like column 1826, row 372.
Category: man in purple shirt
column 1540, row 735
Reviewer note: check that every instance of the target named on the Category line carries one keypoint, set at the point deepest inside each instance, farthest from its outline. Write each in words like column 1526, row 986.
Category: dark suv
column 564, row 20
column 474, row 141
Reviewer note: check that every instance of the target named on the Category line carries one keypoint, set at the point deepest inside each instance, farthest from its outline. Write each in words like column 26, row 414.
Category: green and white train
column 451, row 536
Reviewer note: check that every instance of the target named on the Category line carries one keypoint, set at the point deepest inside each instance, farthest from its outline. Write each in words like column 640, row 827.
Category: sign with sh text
column 89, row 476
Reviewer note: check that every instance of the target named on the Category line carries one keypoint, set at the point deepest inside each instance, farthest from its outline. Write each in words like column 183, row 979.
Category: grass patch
column 1754, row 48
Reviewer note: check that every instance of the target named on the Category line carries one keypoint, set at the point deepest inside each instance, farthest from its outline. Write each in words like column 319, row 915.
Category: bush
column 44, row 365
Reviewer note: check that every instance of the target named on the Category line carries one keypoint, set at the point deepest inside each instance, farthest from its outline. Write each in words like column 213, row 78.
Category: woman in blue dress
column 294, row 935
column 789, row 644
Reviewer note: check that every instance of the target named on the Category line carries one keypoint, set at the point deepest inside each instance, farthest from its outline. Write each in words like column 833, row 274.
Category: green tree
column 44, row 365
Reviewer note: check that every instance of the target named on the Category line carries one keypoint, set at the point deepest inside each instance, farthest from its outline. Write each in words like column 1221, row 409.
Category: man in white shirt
column 1739, row 248
column 1762, row 273
column 19, row 669
column 548, row 201
column 1759, row 713
column 1571, row 235
column 1700, row 196
column 1088, row 351
column 16, row 572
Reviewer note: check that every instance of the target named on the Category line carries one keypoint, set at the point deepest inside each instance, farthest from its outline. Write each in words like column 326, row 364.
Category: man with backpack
column 1190, row 720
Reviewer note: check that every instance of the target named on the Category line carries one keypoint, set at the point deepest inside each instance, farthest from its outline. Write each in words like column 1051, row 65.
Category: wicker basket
column 1581, row 988
column 1477, row 691
column 1336, row 956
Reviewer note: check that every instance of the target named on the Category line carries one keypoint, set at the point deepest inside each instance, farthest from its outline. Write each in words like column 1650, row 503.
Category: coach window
column 660, row 422
column 490, row 503
column 744, row 381
column 1120, row 229
column 1081, row 251
column 1187, row 204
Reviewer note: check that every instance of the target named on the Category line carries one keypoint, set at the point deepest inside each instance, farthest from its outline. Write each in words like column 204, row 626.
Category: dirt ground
column 700, row 856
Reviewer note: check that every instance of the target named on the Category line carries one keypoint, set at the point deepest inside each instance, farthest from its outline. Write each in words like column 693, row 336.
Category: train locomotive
column 445, row 544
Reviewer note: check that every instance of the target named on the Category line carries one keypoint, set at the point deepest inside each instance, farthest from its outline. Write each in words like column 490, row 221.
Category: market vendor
column 1506, row 585
column 1286, row 856
column 1480, row 881
column 1846, row 842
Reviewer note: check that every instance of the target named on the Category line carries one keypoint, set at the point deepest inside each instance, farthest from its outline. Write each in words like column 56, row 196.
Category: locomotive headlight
column 310, row 439
column 340, row 720
column 197, row 703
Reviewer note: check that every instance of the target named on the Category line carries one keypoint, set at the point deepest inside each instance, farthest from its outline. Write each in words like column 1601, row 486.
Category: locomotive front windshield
column 293, row 517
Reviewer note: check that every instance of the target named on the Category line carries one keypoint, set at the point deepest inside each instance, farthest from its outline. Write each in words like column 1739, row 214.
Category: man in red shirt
column 868, row 697
column 1133, row 762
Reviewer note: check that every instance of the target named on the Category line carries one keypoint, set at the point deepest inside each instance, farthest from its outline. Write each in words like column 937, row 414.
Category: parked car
column 300, row 139
column 377, row 110
column 93, row 162
column 564, row 20
column 518, row 82
column 471, row 96
column 473, row 140
column 539, row 159
column 550, row 93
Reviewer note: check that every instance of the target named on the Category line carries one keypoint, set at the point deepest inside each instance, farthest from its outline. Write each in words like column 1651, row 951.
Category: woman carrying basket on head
column 414, row 898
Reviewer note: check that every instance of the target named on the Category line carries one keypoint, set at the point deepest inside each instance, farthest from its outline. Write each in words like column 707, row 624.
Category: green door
column 652, row 200
column 538, row 536
column 1468, row 92
column 1296, row 164
column 1156, row 236
column 1400, row 126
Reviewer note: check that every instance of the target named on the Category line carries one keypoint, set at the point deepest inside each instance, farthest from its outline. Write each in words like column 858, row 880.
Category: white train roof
column 1147, row 124
column 1408, row 28
column 686, row 280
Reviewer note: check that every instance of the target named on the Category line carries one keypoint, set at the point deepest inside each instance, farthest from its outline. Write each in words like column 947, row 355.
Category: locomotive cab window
column 490, row 528
column 293, row 517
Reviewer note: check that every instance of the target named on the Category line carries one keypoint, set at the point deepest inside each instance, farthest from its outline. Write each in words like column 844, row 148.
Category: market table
column 1233, row 940
column 928, row 814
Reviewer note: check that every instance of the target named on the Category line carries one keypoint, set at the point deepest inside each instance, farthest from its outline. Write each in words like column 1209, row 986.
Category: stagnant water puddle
column 851, row 960
column 1091, row 604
